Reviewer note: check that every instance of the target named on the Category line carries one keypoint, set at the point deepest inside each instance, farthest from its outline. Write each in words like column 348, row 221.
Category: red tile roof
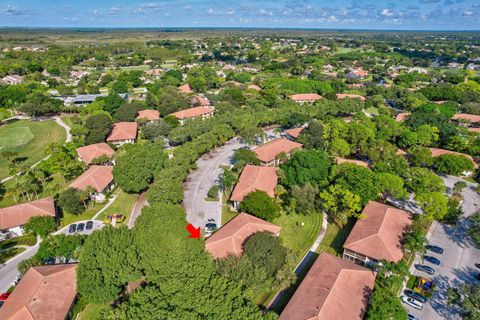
column 268, row 151
column 44, row 293
column 200, row 101
column 333, row 289
column 402, row 116
column 99, row 177
column 305, row 97
column 379, row 234
column 255, row 178
column 341, row 96
column 123, row 131
column 438, row 152
column 294, row 132
column 465, row 116
column 185, row 88
column 19, row 214
column 254, row 87
column 357, row 162
column 192, row 112
column 149, row 114
column 473, row 129
column 229, row 239
column 90, row 152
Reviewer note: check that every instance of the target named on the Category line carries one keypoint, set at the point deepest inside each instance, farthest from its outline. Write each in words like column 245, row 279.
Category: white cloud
column 386, row 13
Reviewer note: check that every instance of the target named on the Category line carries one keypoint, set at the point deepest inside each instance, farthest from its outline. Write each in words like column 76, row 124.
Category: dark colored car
column 435, row 249
column 211, row 227
column 80, row 227
column 72, row 228
column 477, row 265
column 412, row 317
column 89, row 225
column 425, row 268
column 433, row 260
column 49, row 261
column 415, row 295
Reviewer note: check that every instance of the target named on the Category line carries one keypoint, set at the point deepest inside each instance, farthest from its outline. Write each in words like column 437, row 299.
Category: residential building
column 194, row 113
column 44, row 293
column 378, row 235
column 341, row 96
column 229, row 239
column 78, row 74
column 149, row 115
column 12, row 79
column 293, row 133
column 254, row 178
column 357, row 73
column 269, row 153
column 339, row 160
column 402, row 116
column 123, row 132
column 468, row 118
column 333, row 289
column 438, row 152
column 185, row 89
column 100, row 178
column 305, row 97
column 200, row 101
column 88, row 153
column 254, row 87
column 14, row 217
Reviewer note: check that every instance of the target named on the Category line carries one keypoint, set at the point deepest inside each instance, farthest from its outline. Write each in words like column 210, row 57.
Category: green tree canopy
column 306, row 166
column 259, row 204
column 41, row 225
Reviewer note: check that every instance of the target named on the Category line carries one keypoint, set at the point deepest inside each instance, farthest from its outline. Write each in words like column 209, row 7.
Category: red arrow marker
column 194, row 232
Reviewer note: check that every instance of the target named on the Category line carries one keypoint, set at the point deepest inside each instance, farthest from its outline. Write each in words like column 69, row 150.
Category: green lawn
column 30, row 139
column 87, row 215
column 25, row 240
column 299, row 231
column 5, row 113
column 123, row 204
column 8, row 254
column 335, row 237
column 92, row 311
column 227, row 213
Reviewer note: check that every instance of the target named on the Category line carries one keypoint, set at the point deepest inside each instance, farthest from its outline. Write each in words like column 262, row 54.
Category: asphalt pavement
column 457, row 261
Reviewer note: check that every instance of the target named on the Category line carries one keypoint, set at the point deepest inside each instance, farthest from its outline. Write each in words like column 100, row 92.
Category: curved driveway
column 201, row 180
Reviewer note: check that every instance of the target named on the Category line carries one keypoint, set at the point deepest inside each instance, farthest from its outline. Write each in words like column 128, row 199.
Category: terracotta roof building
column 333, row 289
column 123, row 132
column 294, row 133
column 185, row 88
column 254, row 87
column 14, row 217
column 341, row 96
column 438, row 152
column 254, row 178
column 305, row 97
column 473, row 118
column 44, row 293
column 378, row 236
column 229, row 239
column 357, row 162
column 199, row 101
column 98, row 177
column 93, row 151
column 150, row 115
column 267, row 153
column 402, row 116
column 192, row 113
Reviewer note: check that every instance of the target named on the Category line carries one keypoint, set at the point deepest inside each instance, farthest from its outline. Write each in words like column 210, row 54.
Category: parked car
column 412, row 317
column 4, row 296
column 433, row 260
column 415, row 295
column 425, row 268
column 89, row 225
column 435, row 249
column 80, row 227
column 412, row 302
column 119, row 218
column 72, row 228
column 477, row 265
column 210, row 227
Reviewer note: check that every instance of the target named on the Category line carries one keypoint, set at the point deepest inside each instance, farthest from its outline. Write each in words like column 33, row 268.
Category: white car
column 412, row 302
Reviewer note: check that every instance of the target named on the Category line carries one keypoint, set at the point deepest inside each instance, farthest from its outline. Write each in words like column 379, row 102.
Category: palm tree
column 11, row 156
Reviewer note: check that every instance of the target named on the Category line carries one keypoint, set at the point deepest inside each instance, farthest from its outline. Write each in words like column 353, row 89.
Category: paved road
column 457, row 261
column 9, row 272
column 201, row 180
column 64, row 125
column 137, row 210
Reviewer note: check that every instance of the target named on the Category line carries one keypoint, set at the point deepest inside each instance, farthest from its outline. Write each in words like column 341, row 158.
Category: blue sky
column 353, row 14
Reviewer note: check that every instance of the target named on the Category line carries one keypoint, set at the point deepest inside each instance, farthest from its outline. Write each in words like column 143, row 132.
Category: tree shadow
column 457, row 233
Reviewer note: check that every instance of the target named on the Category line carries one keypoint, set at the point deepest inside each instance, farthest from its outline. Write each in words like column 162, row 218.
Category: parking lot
column 457, row 262
column 66, row 230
